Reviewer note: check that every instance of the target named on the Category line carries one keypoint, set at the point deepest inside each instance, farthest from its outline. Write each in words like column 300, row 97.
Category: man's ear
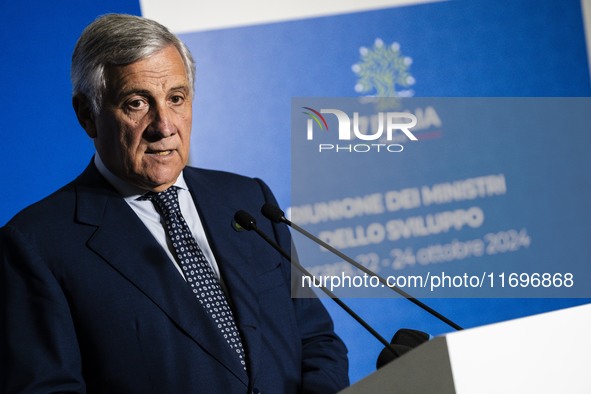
column 85, row 114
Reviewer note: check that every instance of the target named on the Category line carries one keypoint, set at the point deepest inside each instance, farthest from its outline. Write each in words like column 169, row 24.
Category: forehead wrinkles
column 161, row 71
column 150, row 81
column 158, row 80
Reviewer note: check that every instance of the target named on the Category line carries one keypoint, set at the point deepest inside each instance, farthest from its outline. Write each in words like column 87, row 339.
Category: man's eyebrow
column 125, row 93
column 145, row 92
column 180, row 87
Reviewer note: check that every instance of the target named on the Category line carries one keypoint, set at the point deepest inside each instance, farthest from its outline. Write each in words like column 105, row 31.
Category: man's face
column 143, row 131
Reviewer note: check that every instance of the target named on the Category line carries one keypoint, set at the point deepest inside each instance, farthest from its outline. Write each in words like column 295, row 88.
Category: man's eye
column 177, row 99
column 136, row 104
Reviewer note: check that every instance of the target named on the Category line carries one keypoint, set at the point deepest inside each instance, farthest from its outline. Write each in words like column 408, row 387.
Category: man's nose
column 161, row 125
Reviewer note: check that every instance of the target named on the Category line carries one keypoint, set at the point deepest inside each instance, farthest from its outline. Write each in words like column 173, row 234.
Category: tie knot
column 167, row 201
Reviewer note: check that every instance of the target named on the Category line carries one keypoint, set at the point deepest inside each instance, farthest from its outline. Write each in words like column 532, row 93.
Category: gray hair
column 117, row 39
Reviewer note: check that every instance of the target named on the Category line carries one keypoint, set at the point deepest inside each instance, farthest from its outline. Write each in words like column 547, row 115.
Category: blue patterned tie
column 196, row 269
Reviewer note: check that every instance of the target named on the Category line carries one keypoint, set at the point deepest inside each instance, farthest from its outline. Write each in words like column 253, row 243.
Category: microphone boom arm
column 275, row 214
column 246, row 221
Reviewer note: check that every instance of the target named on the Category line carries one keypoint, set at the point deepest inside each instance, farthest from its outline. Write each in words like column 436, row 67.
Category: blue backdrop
column 248, row 76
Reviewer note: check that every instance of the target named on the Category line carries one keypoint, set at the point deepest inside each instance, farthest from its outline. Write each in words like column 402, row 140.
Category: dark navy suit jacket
column 91, row 303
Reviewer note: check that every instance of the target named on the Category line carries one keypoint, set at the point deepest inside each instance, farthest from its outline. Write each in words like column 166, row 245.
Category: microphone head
column 273, row 213
column 403, row 341
column 245, row 220
column 409, row 337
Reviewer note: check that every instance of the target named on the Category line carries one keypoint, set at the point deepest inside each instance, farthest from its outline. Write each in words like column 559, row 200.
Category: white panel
column 547, row 353
column 183, row 16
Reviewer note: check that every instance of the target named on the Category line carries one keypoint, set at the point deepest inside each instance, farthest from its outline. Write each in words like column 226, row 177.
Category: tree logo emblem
column 383, row 71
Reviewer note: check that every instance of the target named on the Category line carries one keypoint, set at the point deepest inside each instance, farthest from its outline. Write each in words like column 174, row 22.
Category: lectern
column 546, row 353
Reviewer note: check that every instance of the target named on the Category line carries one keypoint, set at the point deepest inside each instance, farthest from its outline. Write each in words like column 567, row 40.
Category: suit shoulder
column 60, row 205
column 231, row 188
column 51, row 208
column 216, row 175
column 222, row 180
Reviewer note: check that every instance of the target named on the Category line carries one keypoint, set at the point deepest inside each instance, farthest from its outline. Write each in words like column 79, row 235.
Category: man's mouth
column 159, row 152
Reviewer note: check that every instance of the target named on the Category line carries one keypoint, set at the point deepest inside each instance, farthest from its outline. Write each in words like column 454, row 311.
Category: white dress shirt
column 148, row 214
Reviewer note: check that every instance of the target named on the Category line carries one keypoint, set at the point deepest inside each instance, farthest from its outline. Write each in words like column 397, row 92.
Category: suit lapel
column 123, row 241
column 234, row 256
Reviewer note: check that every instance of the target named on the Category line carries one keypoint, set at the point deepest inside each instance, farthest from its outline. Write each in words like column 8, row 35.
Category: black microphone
column 248, row 222
column 276, row 215
column 403, row 341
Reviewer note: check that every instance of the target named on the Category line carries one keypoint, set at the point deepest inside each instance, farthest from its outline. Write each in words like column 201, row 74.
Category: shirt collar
column 128, row 191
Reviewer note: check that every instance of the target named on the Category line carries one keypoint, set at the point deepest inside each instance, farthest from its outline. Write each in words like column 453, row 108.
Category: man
column 105, row 289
